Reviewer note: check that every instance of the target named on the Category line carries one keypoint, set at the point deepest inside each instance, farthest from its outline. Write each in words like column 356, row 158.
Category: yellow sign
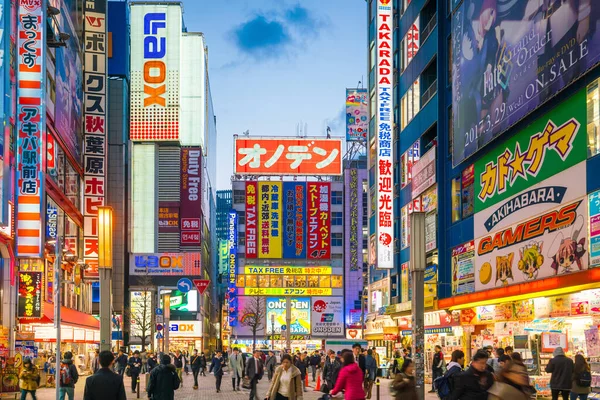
column 270, row 228
column 287, row 292
column 252, row 270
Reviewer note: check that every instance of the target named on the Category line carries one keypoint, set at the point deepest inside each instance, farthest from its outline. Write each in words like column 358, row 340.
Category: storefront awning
column 67, row 316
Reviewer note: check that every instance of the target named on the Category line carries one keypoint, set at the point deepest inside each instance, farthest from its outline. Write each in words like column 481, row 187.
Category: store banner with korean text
column 270, row 232
column 353, row 215
column 231, row 296
column 319, row 220
column 30, row 141
column 288, row 156
column 327, row 316
column 300, row 313
column 499, row 79
column 551, row 144
column 191, row 196
column 168, row 217
column 357, row 115
column 30, row 295
column 594, row 228
column 252, row 228
column 294, row 220
column 463, row 268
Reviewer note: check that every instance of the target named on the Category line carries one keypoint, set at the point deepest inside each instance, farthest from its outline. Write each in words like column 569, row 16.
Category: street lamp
column 105, row 263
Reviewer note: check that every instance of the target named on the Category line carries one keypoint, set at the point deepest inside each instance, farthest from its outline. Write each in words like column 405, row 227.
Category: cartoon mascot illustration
column 568, row 251
column 531, row 260
column 504, row 269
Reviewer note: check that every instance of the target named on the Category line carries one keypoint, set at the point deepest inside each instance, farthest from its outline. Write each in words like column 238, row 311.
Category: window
column 455, row 190
column 468, row 191
column 410, row 44
column 593, row 118
column 241, row 238
column 239, row 196
column 450, row 130
column 407, row 160
column 241, row 217
column 336, row 197
column 336, row 218
column 337, row 239
column 450, row 60
column 410, row 104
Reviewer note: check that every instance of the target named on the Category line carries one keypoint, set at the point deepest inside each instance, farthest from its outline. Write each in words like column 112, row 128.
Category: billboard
column 223, row 257
column 499, row 79
column 463, row 268
column 327, row 316
column 165, row 264
column 594, row 227
column 247, row 307
column 357, row 115
column 94, row 124
column 30, row 129
column 232, row 300
column 30, row 295
column 300, row 315
column 168, row 217
column 423, row 173
column 184, row 302
column 270, row 233
column 294, row 220
column 155, row 58
column 283, row 270
column 384, row 136
column 288, row 156
column 319, row 220
column 251, row 219
column 191, row 196
column 140, row 313
column 255, row 291
column 353, row 216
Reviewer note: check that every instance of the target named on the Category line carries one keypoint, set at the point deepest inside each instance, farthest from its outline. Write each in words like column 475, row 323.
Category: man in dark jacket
column 254, row 371
column 68, row 377
column 163, row 380
column 360, row 357
column 454, row 368
column 270, row 365
column 195, row 363
column 135, row 367
column 178, row 361
column 331, row 370
column 315, row 363
column 437, row 366
column 561, row 368
column 104, row 384
column 121, row 362
column 474, row 383
column 216, row 366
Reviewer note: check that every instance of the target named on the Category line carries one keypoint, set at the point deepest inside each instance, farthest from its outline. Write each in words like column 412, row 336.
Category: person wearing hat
column 104, row 383
column 163, row 380
column 29, row 379
column 135, row 367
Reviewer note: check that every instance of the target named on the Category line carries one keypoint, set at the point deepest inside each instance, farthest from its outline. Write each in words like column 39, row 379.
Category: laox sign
column 162, row 261
column 155, row 49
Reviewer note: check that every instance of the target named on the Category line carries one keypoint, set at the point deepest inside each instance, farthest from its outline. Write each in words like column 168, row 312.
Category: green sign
column 548, row 146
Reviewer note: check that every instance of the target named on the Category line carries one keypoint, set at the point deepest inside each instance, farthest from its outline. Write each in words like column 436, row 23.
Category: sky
column 276, row 64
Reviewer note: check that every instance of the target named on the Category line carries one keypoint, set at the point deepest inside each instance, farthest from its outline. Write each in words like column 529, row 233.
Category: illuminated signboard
column 233, row 260
column 30, row 295
column 288, row 156
column 286, row 292
column 254, row 270
column 300, row 315
column 191, row 192
column 357, row 115
column 319, row 220
column 269, row 220
column 294, row 219
column 251, row 219
column 165, row 264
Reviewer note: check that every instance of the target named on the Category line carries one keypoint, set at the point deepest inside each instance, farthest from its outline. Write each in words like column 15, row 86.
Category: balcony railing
column 428, row 28
column 429, row 93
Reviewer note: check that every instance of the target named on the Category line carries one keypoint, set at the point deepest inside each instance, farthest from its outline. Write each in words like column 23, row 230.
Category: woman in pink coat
column 350, row 379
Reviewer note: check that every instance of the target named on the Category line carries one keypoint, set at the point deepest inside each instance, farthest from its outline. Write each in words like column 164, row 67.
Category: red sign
column 319, row 220
column 390, row 336
column 251, row 219
column 191, row 196
column 201, row 284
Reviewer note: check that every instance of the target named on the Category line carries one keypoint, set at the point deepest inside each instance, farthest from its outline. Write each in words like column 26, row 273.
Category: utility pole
column 417, row 268
column 288, row 322
column 272, row 331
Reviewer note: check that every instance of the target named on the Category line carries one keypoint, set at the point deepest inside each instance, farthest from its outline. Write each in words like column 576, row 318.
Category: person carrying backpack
column 68, row 377
column 437, row 366
column 164, row 380
column 29, row 379
column 445, row 384
column 582, row 379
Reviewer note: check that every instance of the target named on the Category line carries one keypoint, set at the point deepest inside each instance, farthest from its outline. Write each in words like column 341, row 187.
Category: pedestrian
column 494, row 362
column 360, row 358
column 164, row 380
column 473, row 383
column 454, row 368
column 350, row 379
column 96, row 362
column 68, row 377
column 508, row 350
column 315, row 362
column 236, row 368
column 121, row 362
column 270, row 365
column 302, row 366
column 216, row 367
column 512, row 382
column 404, row 382
column 202, row 364
column 29, row 379
column 254, row 372
column 135, row 368
column 582, row 379
column 104, row 384
column 561, row 368
column 437, row 366
column 195, row 364
column 152, row 363
column 287, row 382
column 398, row 361
column 178, row 362
column 371, row 368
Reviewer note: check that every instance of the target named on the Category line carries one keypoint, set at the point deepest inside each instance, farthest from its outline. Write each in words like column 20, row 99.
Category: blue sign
column 283, row 328
column 294, row 220
column 159, row 311
column 185, row 285
column 51, row 221
column 232, row 241
column 159, row 335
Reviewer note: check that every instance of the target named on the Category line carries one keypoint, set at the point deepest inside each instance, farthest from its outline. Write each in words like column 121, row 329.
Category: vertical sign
column 5, row 86
column 30, row 136
column 319, row 220
column 353, row 220
column 223, row 256
column 357, row 115
column 384, row 137
column 412, row 42
column 94, row 127
column 594, row 228
column 269, row 220
column 30, row 295
column 294, row 218
column 191, row 196
column 232, row 300
column 251, row 219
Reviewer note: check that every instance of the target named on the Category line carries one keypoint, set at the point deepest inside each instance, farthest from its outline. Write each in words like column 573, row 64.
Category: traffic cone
column 306, row 381
column 318, row 387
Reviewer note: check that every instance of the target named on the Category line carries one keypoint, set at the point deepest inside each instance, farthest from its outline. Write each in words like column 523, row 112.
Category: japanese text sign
column 270, row 230
column 168, row 217
column 252, row 206
column 357, row 115
column 191, row 196
column 30, row 295
column 294, row 218
column 423, row 173
column 384, row 136
column 412, row 42
column 288, row 156
column 30, row 128
column 353, row 214
column 286, row 291
column 319, row 220
column 232, row 301
column 7, row 70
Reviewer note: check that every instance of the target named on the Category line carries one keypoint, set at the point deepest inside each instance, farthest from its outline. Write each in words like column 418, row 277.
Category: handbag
column 325, row 387
column 246, row 383
column 128, row 371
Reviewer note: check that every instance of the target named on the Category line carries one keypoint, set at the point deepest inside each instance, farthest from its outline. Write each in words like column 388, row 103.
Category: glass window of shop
column 593, row 118
column 62, row 172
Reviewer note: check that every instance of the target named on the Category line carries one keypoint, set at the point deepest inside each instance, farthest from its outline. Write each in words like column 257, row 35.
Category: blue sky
column 275, row 64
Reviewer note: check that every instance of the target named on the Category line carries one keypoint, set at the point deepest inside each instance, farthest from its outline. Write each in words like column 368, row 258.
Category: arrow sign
column 159, row 311
column 184, row 285
column 201, row 285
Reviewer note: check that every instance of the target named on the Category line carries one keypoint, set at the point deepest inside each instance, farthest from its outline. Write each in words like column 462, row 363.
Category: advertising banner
column 270, row 232
column 247, row 308
column 430, row 281
column 463, row 268
column 384, row 136
column 185, row 329
column 141, row 313
column 30, row 295
column 283, row 270
column 549, row 145
column 353, row 215
column 165, row 264
column 30, row 128
column 232, row 223
column 327, row 316
column 288, row 156
column 594, row 227
column 404, row 281
column 430, row 232
column 286, row 291
column 319, row 220
column 155, row 58
column 7, row 70
column 468, row 191
column 357, row 115
column 223, row 257
column 404, row 228
column 168, row 217
column 499, row 79
column 251, row 219
column 294, row 218
column 191, row 196
column 423, row 173
column 300, row 310
column 412, row 42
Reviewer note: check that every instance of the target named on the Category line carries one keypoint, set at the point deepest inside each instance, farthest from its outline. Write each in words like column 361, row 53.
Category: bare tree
column 140, row 311
column 255, row 313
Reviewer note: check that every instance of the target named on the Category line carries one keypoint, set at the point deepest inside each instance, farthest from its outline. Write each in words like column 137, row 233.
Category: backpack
column 176, row 381
column 442, row 384
column 65, row 375
column 584, row 379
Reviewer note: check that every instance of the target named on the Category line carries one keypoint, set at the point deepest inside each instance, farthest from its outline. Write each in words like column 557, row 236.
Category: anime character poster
column 509, row 57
